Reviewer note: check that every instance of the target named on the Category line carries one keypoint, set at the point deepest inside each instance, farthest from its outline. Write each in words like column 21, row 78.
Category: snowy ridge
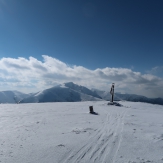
column 81, row 89
column 68, row 92
column 11, row 96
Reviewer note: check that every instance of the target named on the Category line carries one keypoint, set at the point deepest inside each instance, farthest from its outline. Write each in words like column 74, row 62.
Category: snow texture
column 68, row 133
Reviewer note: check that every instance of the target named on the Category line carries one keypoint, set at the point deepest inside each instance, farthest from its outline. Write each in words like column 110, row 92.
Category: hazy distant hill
column 128, row 97
column 68, row 92
column 11, row 96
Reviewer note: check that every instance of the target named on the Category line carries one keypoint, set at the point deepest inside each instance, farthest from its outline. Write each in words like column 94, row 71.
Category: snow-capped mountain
column 11, row 96
column 81, row 89
column 128, row 97
column 68, row 92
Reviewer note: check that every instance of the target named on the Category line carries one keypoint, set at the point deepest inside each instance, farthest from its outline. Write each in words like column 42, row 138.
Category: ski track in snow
column 67, row 133
column 103, row 145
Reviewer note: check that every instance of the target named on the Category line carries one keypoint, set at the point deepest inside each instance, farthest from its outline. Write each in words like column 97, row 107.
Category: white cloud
column 32, row 74
column 158, row 70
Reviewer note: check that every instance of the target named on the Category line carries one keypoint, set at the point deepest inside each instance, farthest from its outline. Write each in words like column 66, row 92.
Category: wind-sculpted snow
column 67, row 133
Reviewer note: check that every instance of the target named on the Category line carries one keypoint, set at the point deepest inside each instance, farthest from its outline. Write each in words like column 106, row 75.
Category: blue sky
column 92, row 34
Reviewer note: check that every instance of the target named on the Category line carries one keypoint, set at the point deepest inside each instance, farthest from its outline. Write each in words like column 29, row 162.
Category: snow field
column 67, row 133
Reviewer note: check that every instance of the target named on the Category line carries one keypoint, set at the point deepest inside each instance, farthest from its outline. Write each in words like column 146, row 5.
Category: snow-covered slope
column 82, row 89
column 68, row 92
column 67, row 133
column 11, row 96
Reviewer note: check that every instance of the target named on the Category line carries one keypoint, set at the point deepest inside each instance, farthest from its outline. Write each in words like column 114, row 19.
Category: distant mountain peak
column 11, row 96
column 67, row 92
column 70, row 83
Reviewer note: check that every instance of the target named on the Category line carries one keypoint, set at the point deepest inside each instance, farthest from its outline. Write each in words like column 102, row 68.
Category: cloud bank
column 32, row 75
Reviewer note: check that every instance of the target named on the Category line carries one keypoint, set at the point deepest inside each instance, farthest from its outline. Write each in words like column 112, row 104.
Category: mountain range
column 105, row 95
column 70, row 92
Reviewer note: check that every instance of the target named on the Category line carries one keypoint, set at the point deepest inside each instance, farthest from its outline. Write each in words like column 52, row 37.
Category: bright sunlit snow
column 68, row 133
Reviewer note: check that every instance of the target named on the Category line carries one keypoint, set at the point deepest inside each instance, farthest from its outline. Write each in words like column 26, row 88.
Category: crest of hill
column 68, row 92
column 82, row 89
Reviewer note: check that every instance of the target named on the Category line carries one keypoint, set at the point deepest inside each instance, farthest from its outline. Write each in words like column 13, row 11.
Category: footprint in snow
column 78, row 131
column 61, row 145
